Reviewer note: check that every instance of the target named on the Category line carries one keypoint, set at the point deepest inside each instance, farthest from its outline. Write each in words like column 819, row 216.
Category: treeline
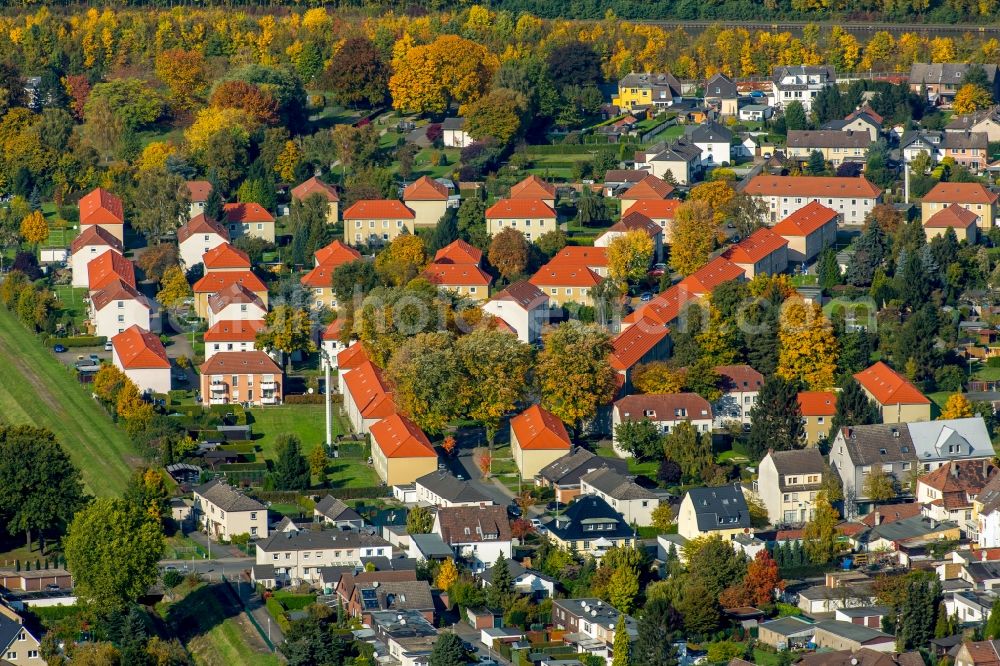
column 916, row 11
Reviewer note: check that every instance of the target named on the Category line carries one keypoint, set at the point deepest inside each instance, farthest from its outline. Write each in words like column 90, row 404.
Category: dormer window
column 882, row 452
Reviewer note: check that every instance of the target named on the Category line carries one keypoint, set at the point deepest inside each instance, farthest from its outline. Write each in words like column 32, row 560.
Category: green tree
column 157, row 204
column 310, row 641
column 623, row 588
column 795, row 116
column 992, row 629
column 499, row 593
column 495, row 366
column 622, row 644
column 828, row 269
column 688, row 449
column 42, row 495
column 879, row 486
column 698, row 606
column 499, row 114
column 113, row 549
column 715, row 563
column 574, row 374
column 654, row 645
column 419, row 521
column 816, row 165
column 352, row 280
column 448, row 651
column 775, row 418
column 428, row 378
column 854, row 407
column 291, row 469
column 820, row 535
column 287, row 329
column 641, row 438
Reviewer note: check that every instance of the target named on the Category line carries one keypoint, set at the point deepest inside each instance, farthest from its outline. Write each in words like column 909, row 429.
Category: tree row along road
column 944, row 29
column 36, row 389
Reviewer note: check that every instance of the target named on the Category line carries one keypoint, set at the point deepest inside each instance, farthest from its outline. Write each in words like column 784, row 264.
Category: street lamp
column 328, row 401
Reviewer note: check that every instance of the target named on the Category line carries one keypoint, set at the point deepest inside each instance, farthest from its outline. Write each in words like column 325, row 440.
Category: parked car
column 552, row 506
column 108, row 346
column 645, row 297
column 59, row 349
column 513, row 510
column 95, row 359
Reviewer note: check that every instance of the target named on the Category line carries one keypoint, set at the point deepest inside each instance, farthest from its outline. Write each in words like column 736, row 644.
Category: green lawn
column 36, row 388
column 987, row 373
column 309, row 423
column 647, row 469
column 71, row 300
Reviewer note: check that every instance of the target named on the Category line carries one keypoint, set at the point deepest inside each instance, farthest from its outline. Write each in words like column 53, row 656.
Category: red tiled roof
column 538, row 429
column 961, row 193
column 314, row 185
column 806, row 220
column 425, row 189
column 378, row 209
column 95, row 236
column 200, row 224
column 458, row 252
column 555, row 274
column 866, row 110
column 334, row 329
column 664, row 407
column 581, row 255
column 457, row 274
column 890, row 513
column 225, row 256
column 889, row 387
column 352, row 357
column 739, row 378
column 369, row 391
column 116, row 290
column 649, row 187
column 137, row 349
column 967, row 477
column 811, row 186
column 952, row 216
column 711, row 275
column 336, row 253
column 320, row 277
column 518, row 208
column 234, row 293
column 217, row 281
column 101, row 207
column 655, row 209
column 199, row 190
column 234, row 330
column 523, row 293
column 399, row 437
column 629, row 346
column 246, row 212
column 533, row 187
column 636, row 221
column 818, row 403
column 665, row 308
column 108, row 267
column 755, row 247
column 240, row 363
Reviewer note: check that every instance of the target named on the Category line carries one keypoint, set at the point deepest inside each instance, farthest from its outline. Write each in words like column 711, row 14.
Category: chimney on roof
column 878, row 518
column 954, row 470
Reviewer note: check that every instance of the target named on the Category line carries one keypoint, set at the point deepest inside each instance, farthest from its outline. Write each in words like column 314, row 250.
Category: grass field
column 35, row 388
column 309, row 423
column 71, row 301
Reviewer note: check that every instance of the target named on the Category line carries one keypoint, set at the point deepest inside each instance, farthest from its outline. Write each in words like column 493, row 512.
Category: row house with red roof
column 226, row 266
column 316, row 187
column 115, row 302
column 761, row 253
column 319, row 280
column 140, row 354
column 898, row 399
column 232, row 335
column 428, row 199
column 851, row 198
column 664, row 410
column 234, row 303
column 649, row 188
column 973, row 197
column 248, row 219
column 100, row 208
column 199, row 192
column 377, row 221
column 646, row 341
column 523, row 308
column 457, row 268
column 537, row 438
column 199, row 236
column 960, row 220
column 368, row 397
column 92, row 242
column 808, row 231
column 661, row 212
column 245, row 377
column 532, row 217
column 566, row 283
column 818, row 409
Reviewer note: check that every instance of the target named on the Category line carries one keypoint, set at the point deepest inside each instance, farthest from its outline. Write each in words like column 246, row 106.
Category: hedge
column 294, row 602
column 78, row 341
column 310, row 399
column 277, row 611
column 367, row 492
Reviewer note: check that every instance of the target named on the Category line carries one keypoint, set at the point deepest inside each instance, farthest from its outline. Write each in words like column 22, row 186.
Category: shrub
column 277, row 611
column 78, row 341
column 993, row 362
column 69, row 213
column 304, row 399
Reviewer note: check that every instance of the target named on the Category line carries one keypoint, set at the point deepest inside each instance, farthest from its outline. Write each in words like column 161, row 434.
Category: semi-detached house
column 650, row 188
column 92, row 242
column 319, row 280
column 566, row 283
column 428, row 199
column 314, row 186
column 224, row 512
column 376, row 221
column 761, row 253
column 299, row 555
column 199, row 236
column 100, row 208
column 141, row 356
column 835, row 146
column 401, row 452
column 232, row 335
column 248, row 219
column 852, row 198
column 973, row 197
column 532, row 217
column 809, row 230
column 537, row 438
column 478, row 534
column 523, row 307
column 241, row 377
column 664, row 410
column 899, row 400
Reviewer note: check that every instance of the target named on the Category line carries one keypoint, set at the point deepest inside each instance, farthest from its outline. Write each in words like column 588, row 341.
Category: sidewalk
column 218, row 550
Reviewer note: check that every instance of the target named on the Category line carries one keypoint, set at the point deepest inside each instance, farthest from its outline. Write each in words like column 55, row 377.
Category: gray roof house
column 333, row 511
column 225, row 512
column 720, row 510
column 442, row 488
column 941, row 80
column 564, row 474
column 721, row 87
column 525, row 581
column 635, row 503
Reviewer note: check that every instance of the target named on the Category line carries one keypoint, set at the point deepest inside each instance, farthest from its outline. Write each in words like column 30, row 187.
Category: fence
column 246, row 611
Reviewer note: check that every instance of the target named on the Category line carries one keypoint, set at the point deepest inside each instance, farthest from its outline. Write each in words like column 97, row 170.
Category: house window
column 253, row 515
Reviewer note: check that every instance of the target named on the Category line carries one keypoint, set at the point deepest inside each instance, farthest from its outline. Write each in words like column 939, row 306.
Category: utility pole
column 328, row 401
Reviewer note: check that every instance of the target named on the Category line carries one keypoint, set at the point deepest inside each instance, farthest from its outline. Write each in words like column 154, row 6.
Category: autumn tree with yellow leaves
column 629, row 256
column 808, row 348
column 429, row 78
column 692, row 236
column 185, row 75
column 288, row 161
column 657, row 377
column 957, row 407
column 970, row 98
column 574, row 374
column 34, row 228
column 717, row 194
column 403, row 260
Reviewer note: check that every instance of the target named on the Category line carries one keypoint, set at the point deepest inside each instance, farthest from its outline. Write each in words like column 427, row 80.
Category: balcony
column 219, row 388
column 269, row 386
column 218, row 401
column 271, row 400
